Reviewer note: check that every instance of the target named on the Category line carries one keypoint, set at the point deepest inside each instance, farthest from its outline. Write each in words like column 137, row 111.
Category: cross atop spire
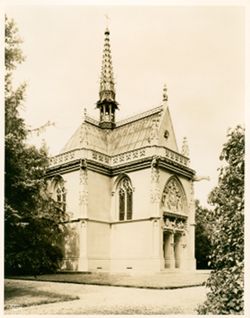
column 107, row 20
column 107, row 103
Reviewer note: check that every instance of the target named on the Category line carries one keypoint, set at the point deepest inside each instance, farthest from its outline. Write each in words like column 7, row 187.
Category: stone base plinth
column 170, row 263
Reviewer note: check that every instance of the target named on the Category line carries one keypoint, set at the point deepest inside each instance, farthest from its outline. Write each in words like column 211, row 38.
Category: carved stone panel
column 155, row 175
column 174, row 224
column 173, row 198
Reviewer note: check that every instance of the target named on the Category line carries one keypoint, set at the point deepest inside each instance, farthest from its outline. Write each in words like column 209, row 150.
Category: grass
column 169, row 280
column 18, row 296
column 23, row 293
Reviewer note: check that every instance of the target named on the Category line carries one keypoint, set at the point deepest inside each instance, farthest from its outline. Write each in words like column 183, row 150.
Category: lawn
column 94, row 299
column 166, row 280
column 20, row 296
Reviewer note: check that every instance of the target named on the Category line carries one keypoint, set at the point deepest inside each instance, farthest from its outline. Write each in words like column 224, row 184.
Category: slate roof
column 132, row 133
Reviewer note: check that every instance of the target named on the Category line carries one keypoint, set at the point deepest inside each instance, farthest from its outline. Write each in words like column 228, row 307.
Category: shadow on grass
column 24, row 297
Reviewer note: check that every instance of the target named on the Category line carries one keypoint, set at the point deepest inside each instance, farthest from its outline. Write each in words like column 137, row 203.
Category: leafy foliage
column 202, row 242
column 226, row 282
column 33, row 221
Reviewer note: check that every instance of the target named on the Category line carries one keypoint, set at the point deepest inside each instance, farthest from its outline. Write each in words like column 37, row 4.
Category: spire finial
column 165, row 94
column 107, row 103
column 185, row 148
column 107, row 21
column 107, row 87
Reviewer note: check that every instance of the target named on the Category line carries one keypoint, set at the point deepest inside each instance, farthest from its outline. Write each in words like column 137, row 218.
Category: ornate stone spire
column 185, row 148
column 107, row 87
column 107, row 103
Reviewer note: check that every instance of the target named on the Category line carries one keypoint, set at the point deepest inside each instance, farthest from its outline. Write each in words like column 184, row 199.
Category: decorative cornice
column 125, row 167
column 126, row 157
column 172, row 214
column 176, row 168
column 63, row 168
column 112, row 222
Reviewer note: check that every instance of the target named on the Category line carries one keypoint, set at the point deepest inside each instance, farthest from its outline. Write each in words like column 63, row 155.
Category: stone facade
column 128, row 190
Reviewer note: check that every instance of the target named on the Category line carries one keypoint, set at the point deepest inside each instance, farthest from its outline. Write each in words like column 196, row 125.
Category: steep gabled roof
column 145, row 129
column 133, row 133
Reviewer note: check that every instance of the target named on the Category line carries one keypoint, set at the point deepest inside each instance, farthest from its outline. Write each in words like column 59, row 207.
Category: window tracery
column 125, row 197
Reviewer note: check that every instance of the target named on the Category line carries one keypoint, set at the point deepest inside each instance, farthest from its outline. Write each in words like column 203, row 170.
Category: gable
column 166, row 131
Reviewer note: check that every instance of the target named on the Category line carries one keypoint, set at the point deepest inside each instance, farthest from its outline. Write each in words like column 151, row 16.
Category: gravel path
column 114, row 300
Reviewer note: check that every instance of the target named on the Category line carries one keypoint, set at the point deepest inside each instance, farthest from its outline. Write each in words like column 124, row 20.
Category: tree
column 34, row 227
column 202, row 242
column 227, row 231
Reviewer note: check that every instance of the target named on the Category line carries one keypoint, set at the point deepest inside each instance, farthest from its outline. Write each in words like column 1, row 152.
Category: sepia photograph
column 124, row 158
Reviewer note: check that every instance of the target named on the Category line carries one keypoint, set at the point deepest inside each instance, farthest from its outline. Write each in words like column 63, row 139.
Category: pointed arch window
column 125, row 196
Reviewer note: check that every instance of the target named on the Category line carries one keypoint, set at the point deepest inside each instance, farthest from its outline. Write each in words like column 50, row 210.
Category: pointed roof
column 107, row 85
column 145, row 129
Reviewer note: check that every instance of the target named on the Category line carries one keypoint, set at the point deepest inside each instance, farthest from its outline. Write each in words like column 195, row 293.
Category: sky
column 198, row 51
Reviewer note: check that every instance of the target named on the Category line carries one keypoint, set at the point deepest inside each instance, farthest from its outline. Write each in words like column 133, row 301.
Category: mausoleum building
column 127, row 189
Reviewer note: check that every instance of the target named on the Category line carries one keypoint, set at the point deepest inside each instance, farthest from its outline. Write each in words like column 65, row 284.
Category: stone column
column 169, row 250
column 191, row 231
column 177, row 250
column 110, row 117
column 104, row 111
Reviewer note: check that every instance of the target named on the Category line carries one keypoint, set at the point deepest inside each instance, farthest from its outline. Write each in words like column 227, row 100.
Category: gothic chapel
column 127, row 189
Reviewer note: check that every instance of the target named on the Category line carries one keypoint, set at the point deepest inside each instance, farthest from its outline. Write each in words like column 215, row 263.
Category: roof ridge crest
column 139, row 116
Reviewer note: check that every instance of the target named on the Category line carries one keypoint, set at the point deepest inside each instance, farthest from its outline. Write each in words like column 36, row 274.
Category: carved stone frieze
column 174, row 224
